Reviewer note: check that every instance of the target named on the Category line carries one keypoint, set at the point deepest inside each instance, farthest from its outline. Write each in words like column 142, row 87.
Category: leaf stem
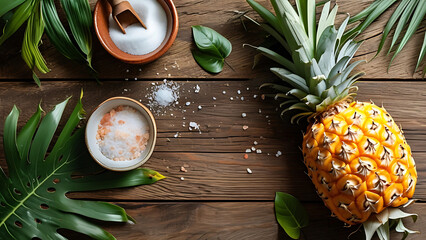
column 229, row 65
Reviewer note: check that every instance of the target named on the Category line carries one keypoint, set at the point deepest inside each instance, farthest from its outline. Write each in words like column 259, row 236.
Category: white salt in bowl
column 92, row 129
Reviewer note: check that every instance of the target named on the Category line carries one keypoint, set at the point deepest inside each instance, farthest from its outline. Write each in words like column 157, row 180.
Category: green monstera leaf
column 33, row 204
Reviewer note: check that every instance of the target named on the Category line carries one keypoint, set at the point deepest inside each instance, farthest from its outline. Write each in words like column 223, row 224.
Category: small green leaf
column 290, row 214
column 210, row 41
column 212, row 48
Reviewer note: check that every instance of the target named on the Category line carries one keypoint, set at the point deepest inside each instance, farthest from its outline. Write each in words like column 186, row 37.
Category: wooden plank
column 234, row 220
column 178, row 61
column 217, row 169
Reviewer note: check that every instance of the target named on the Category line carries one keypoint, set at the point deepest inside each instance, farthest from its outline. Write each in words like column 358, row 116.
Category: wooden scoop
column 124, row 14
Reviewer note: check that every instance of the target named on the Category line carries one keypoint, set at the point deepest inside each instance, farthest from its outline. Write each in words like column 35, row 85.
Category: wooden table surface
column 218, row 199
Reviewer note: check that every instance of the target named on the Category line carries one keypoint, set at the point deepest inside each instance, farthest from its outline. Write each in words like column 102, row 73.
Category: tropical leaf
column 32, row 198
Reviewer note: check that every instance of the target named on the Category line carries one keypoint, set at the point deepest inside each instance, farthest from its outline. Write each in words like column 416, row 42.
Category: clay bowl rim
column 129, row 58
column 151, row 122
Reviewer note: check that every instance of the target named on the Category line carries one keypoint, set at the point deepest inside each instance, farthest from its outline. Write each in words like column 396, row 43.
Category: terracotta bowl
column 92, row 128
column 101, row 15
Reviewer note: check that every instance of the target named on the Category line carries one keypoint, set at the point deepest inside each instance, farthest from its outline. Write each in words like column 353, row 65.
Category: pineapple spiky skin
column 359, row 161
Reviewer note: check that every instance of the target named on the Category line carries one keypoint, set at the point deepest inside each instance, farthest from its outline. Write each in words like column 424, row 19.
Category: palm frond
column 408, row 17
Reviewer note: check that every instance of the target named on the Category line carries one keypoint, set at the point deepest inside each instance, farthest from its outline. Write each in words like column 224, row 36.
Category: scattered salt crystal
column 199, row 107
column 248, row 89
column 253, row 148
column 258, row 151
column 176, row 135
column 126, row 79
column 245, row 127
column 158, row 74
column 136, row 79
column 255, row 142
column 194, row 126
column 182, row 178
column 248, row 150
column 260, row 110
column 243, row 115
column 231, row 98
column 278, row 154
column 255, row 96
column 183, row 169
column 140, row 69
column 168, row 139
column 267, row 116
column 188, row 103
column 238, row 91
column 127, row 70
column 125, row 89
column 197, row 89
column 214, row 98
column 242, row 98
column 249, row 171
column 224, row 92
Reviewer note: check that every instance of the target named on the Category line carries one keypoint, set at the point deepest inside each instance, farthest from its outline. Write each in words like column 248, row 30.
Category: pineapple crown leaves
column 32, row 198
column 317, row 74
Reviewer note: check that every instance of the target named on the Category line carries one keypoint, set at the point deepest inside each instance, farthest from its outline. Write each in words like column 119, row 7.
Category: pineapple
column 355, row 154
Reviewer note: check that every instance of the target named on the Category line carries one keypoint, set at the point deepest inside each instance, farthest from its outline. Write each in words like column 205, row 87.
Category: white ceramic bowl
column 92, row 128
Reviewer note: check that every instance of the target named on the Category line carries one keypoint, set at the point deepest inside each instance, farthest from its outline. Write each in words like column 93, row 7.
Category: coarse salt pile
column 163, row 96
column 123, row 134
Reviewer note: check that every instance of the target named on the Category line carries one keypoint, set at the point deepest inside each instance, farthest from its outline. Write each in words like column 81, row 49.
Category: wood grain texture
column 178, row 61
column 216, row 167
column 234, row 220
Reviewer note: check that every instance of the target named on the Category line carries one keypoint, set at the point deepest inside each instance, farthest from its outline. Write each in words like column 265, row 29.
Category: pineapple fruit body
column 359, row 161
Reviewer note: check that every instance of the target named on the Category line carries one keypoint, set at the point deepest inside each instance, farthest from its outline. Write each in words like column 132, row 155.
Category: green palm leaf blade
column 416, row 19
column 378, row 10
column 32, row 38
column 21, row 14
column 391, row 22
column 7, row 5
column 422, row 53
column 57, row 33
column 405, row 17
column 33, row 203
column 79, row 17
